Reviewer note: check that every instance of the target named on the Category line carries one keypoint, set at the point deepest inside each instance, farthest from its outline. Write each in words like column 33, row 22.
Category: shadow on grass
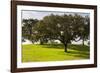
column 82, row 54
column 72, row 47
column 82, row 51
column 82, row 48
column 56, row 46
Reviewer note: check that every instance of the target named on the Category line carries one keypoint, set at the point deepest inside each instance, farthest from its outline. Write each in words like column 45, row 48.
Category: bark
column 65, row 47
column 65, row 44
column 41, row 41
column 83, row 41
column 30, row 34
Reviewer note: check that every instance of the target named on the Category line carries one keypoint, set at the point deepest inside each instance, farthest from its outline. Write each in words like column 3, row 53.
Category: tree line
column 65, row 28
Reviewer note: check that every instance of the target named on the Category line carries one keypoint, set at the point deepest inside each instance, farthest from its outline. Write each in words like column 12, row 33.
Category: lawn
column 53, row 52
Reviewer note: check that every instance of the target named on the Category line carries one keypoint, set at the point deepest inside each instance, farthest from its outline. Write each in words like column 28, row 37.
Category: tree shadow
column 55, row 46
column 79, row 47
column 79, row 51
column 73, row 50
column 79, row 54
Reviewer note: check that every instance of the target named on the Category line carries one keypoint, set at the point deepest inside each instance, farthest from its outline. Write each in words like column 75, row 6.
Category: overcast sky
column 40, row 14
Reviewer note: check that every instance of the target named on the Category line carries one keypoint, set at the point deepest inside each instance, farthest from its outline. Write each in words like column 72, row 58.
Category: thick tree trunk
column 41, row 41
column 65, row 43
column 83, row 42
column 65, row 47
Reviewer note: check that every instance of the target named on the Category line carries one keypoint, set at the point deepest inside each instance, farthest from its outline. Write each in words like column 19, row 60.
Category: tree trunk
column 30, row 34
column 41, row 41
column 83, row 41
column 65, row 47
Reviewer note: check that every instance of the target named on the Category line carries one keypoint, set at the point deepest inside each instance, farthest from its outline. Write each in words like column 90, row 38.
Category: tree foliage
column 27, row 27
column 64, row 28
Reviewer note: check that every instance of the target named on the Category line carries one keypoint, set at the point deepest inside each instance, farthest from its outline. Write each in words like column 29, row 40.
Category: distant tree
column 83, row 28
column 27, row 25
column 85, row 32
column 40, row 32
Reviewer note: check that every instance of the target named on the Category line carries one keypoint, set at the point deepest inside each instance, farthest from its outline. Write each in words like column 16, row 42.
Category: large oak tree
column 64, row 28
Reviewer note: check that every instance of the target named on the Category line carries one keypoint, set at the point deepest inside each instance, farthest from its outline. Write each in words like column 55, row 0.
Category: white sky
column 27, row 14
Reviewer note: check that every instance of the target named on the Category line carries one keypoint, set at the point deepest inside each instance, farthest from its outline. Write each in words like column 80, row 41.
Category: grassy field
column 37, row 53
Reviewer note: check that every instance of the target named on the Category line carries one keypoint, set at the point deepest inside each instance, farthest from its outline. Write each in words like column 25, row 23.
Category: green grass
column 47, row 52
